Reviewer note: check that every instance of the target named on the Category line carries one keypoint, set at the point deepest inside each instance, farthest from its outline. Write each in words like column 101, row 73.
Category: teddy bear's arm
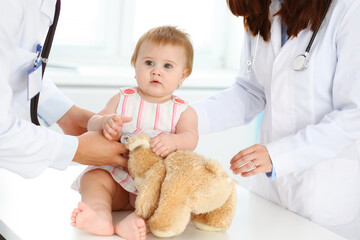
column 149, row 193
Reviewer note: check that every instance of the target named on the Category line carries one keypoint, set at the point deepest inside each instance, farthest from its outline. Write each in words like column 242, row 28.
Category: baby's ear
column 185, row 74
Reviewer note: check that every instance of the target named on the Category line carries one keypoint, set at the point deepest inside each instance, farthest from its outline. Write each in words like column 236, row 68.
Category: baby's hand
column 163, row 145
column 112, row 125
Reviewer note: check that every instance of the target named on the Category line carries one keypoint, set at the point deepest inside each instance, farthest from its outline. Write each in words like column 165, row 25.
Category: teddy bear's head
column 141, row 157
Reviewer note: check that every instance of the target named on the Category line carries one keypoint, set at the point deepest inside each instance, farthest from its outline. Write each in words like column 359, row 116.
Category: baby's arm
column 108, row 121
column 185, row 137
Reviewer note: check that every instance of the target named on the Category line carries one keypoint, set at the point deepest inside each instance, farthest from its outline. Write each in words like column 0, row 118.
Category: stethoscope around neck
column 300, row 63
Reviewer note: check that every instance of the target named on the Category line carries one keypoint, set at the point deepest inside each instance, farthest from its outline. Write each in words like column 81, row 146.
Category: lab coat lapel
column 48, row 8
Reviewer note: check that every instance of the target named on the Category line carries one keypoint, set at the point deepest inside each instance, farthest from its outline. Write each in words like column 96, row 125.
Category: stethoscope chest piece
column 300, row 63
column 125, row 137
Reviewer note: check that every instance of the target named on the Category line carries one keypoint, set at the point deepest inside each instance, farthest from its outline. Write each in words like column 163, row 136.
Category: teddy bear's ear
column 140, row 140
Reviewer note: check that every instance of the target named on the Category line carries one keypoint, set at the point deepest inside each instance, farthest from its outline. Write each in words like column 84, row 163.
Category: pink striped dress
column 152, row 119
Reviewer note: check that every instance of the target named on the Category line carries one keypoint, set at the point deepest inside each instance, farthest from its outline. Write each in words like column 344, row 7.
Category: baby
column 162, row 60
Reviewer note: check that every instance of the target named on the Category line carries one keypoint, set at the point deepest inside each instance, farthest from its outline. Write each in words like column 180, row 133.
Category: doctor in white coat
column 27, row 149
column 309, row 143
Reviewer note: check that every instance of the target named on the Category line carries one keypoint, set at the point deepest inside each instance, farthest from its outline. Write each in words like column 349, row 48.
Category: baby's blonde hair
column 167, row 35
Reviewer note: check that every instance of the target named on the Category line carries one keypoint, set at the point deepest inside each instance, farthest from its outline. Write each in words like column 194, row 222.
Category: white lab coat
column 27, row 149
column 311, row 119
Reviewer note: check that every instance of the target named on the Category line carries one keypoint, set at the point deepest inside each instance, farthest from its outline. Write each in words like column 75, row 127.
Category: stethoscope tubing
column 317, row 29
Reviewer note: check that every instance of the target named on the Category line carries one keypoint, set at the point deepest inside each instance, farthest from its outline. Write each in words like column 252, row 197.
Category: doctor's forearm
column 75, row 121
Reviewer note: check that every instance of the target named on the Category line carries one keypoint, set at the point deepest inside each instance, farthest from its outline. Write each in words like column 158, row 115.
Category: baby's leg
column 98, row 189
column 131, row 228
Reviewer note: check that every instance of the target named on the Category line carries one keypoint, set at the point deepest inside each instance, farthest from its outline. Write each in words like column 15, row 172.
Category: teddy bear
column 182, row 187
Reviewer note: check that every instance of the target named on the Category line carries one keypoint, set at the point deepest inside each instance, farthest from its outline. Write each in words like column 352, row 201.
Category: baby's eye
column 149, row 63
column 168, row 65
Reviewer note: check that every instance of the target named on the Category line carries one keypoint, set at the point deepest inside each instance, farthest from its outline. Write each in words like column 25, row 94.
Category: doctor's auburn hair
column 296, row 14
column 167, row 35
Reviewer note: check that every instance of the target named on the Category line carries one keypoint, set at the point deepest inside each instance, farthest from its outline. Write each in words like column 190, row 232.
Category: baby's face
column 160, row 70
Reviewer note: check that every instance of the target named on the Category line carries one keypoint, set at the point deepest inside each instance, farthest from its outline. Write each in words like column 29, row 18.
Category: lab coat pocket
column 336, row 192
column 26, row 55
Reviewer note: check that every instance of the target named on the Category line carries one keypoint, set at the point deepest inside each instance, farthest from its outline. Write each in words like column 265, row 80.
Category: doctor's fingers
column 245, row 167
column 253, row 172
column 238, row 160
column 251, row 168
column 115, row 155
column 245, row 152
column 255, row 162
column 120, row 160
column 95, row 149
column 254, row 167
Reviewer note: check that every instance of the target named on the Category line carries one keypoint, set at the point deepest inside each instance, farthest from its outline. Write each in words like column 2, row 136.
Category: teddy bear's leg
column 172, row 215
column 219, row 219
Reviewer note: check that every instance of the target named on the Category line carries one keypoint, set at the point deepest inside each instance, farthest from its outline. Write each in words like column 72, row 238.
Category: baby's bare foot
column 131, row 228
column 86, row 219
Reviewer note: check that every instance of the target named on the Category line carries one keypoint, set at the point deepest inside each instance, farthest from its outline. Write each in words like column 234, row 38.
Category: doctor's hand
column 75, row 121
column 95, row 149
column 251, row 161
